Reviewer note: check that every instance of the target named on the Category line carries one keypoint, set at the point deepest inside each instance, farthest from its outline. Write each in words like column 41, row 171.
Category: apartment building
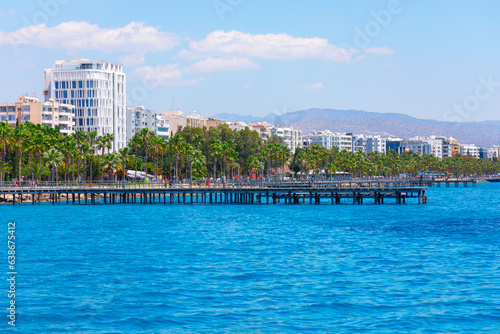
column 419, row 146
column 328, row 139
column 397, row 145
column 162, row 127
column 263, row 129
column 139, row 118
column 30, row 109
column 290, row 137
column 470, row 149
column 178, row 120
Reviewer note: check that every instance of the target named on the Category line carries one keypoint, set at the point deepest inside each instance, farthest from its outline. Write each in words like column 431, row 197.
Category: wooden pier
column 455, row 183
column 263, row 194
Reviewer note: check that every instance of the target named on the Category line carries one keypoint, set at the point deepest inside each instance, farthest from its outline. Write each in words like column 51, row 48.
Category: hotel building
column 97, row 89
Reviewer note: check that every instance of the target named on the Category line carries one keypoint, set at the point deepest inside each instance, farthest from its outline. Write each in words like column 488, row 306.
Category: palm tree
column 197, row 141
column 90, row 154
column 68, row 148
column 156, row 146
column 21, row 136
column 176, row 144
column 187, row 149
column 232, row 156
column 36, row 145
column 163, row 149
column 53, row 158
column 284, row 153
column 136, row 142
column 146, row 136
column 111, row 162
column 5, row 137
column 215, row 150
column 227, row 147
column 198, row 164
column 104, row 142
column 124, row 155
column 253, row 163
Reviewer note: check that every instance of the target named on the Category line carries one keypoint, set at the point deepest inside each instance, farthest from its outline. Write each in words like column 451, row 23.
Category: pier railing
column 370, row 182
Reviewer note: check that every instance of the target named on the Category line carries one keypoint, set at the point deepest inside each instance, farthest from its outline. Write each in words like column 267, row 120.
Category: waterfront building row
column 85, row 95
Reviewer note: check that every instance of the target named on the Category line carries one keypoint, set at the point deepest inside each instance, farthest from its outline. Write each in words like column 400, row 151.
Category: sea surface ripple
column 431, row 268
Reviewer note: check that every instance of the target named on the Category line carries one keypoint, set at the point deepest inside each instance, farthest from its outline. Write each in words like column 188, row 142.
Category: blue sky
column 428, row 59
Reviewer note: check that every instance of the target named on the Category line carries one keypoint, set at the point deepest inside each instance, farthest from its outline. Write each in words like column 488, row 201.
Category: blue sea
column 431, row 268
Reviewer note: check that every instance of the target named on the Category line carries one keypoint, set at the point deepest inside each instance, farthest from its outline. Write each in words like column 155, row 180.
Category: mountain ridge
column 484, row 133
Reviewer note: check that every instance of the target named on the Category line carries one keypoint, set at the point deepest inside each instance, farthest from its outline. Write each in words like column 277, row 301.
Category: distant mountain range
column 485, row 134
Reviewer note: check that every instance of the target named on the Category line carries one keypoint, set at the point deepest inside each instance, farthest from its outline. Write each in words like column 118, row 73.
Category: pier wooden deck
column 344, row 193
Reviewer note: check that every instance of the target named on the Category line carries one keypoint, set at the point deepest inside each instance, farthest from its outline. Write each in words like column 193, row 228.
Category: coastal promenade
column 381, row 191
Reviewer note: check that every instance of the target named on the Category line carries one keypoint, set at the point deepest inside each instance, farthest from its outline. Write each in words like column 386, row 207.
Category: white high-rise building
column 97, row 89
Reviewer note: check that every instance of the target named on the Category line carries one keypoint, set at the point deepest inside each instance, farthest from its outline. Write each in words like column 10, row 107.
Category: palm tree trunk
column 163, row 165
column 3, row 169
column 176, row 164
column 224, row 167
column 215, row 168
column 283, row 172
column 32, row 172
column 20, row 162
column 135, row 163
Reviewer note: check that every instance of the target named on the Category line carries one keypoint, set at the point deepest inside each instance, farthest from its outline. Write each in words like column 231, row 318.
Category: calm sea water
column 266, row 269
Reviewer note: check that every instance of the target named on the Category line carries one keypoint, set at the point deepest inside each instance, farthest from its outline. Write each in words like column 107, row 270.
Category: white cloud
column 220, row 64
column 174, row 75
column 315, row 86
column 85, row 36
column 379, row 51
column 163, row 75
column 269, row 46
column 133, row 59
column 247, row 86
